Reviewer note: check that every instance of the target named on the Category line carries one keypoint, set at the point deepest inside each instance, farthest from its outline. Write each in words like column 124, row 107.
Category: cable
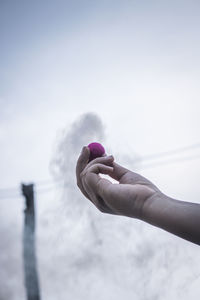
column 10, row 196
column 158, row 155
column 187, row 158
column 36, row 190
column 41, row 191
column 38, row 183
column 170, row 152
column 47, row 182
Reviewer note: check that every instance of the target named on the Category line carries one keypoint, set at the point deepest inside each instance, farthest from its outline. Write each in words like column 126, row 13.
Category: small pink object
column 96, row 150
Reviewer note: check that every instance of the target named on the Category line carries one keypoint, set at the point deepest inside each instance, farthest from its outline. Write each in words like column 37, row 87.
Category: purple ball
column 96, row 150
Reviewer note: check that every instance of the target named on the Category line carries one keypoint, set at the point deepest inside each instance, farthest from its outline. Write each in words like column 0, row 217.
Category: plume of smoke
column 90, row 236
column 85, row 254
column 105, row 256
column 11, row 270
column 86, row 129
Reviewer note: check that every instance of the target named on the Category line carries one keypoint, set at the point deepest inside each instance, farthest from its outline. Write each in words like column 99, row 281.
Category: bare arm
column 135, row 196
column 178, row 217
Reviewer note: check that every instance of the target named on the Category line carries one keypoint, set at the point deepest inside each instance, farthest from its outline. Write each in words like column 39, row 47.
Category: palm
column 132, row 191
column 125, row 198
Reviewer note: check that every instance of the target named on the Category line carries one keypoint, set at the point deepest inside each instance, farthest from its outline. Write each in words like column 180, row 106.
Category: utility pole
column 30, row 263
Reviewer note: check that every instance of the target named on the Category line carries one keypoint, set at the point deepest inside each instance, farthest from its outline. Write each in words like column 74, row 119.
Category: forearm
column 178, row 217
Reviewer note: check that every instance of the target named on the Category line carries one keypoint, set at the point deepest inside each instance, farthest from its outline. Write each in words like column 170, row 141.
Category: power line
column 188, row 158
column 170, row 152
column 47, row 182
column 13, row 192
column 10, row 196
column 37, row 191
column 171, row 161
column 38, row 183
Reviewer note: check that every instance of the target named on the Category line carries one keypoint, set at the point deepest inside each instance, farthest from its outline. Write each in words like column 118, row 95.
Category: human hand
column 127, row 197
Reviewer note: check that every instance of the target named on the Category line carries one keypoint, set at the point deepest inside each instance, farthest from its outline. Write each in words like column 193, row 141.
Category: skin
column 135, row 196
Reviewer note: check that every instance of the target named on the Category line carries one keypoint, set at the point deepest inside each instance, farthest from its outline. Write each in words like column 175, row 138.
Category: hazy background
column 125, row 73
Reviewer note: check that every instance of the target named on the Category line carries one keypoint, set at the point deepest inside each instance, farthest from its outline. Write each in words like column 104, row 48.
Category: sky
column 134, row 67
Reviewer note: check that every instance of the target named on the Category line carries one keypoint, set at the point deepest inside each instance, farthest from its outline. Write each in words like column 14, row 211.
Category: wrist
column 154, row 207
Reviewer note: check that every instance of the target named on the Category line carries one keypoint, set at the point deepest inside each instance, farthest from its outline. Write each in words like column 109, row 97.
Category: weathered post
column 30, row 263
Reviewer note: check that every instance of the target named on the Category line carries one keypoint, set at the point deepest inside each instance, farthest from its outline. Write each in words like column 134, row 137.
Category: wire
column 36, row 190
column 13, row 192
column 38, row 183
column 171, row 161
column 148, row 166
column 10, row 196
column 47, row 182
column 170, row 152
column 11, row 189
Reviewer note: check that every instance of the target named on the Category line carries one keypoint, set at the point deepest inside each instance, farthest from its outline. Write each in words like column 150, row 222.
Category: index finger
column 118, row 171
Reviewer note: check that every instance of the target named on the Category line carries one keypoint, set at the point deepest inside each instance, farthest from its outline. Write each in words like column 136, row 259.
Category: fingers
column 90, row 175
column 82, row 163
column 118, row 171
column 100, row 168
column 92, row 167
column 124, row 175
column 80, row 166
column 94, row 184
column 107, row 160
column 82, row 160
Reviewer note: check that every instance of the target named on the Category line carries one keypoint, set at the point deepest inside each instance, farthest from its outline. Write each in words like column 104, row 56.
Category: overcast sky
column 135, row 64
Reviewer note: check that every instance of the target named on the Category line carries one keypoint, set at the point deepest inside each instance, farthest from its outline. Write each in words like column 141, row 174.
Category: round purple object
column 96, row 150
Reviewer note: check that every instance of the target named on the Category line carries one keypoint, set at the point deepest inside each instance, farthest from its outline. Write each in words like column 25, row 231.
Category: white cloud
column 137, row 69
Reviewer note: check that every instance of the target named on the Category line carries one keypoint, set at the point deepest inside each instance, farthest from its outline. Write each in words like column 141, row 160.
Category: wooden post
column 30, row 263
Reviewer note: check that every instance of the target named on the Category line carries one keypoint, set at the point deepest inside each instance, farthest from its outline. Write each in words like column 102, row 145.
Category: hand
column 126, row 198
